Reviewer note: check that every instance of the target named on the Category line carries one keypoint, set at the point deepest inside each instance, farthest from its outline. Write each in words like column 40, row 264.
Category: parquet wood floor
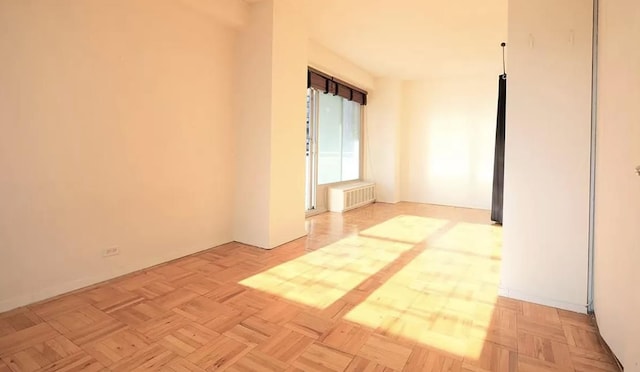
column 403, row 287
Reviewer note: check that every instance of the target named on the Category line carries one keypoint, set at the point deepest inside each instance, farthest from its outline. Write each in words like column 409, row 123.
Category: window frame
column 361, row 142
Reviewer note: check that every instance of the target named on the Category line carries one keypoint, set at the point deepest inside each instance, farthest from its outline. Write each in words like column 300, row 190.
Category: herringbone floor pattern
column 403, row 287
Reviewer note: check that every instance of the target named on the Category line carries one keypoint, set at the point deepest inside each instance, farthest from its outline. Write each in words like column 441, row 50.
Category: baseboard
column 77, row 284
column 519, row 295
column 314, row 212
column 52, row 291
column 444, row 204
column 278, row 243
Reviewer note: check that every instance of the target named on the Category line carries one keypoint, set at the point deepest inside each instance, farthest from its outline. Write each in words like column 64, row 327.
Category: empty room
column 319, row 185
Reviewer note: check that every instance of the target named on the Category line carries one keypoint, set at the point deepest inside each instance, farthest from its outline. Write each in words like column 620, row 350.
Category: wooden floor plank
column 253, row 331
column 385, row 351
column 4, row 367
column 425, row 359
column 286, row 345
column 26, row 338
column 220, row 353
column 18, row 319
column 321, row 358
column 346, row 336
column 182, row 365
column 309, row 324
column 188, row 338
column 110, row 298
column 42, row 354
column 544, row 349
column 116, row 347
column 151, row 358
column 360, row 364
column 403, row 287
column 493, row 358
column 57, row 306
column 79, row 362
column 255, row 361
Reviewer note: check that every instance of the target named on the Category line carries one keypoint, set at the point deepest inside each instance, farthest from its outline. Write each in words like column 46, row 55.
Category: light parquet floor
column 403, row 287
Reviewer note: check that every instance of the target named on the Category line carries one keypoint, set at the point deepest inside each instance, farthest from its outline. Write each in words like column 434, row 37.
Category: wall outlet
column 111, row 251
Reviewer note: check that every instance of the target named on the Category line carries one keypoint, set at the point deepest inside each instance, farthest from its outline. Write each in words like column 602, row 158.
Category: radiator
column 352, row 195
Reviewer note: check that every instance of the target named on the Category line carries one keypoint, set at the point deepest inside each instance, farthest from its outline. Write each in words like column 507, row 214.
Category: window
column 338, row 139
column 334, row 130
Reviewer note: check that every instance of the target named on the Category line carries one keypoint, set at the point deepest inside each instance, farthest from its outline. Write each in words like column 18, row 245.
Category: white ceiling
column 412, row 39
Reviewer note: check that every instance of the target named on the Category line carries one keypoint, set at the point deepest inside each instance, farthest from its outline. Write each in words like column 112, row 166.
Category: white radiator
column 351, row 195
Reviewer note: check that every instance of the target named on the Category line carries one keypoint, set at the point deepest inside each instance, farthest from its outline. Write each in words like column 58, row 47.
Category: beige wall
column 546, row 197
column 287, row 210
column 617, row 297
column 432, row 141
column 270, row 125
column 327, row 61
column 116, row 131
column 232, row 13
column 253, row 127
column 382, row 138
column 448, row 143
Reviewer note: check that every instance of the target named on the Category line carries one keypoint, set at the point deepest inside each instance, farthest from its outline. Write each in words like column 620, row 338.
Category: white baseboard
column 314, row 212
column 519, row 295
column 72, row 285
column 54, row 290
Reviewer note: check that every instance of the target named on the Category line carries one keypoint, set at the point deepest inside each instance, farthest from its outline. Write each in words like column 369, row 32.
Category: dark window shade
column 317, row 81
column 328, row 84
column 344, row 92
column 359, row 97
column 332, row 87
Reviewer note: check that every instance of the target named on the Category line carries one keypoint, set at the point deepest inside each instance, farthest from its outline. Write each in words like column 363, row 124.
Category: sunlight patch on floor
column 323, row 276
column 445, row 296
column 405, row 228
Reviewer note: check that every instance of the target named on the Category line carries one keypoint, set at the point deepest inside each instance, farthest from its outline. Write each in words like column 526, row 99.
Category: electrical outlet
column 111, row 251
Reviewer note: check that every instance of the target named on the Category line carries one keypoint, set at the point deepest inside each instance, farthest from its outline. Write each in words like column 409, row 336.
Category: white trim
column 523, row 296
column 73, row 285
column 592, row 158
column 348, row 185
column 314, row 212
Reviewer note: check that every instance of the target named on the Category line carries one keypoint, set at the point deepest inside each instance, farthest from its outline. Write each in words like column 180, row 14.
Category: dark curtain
column 498, row 160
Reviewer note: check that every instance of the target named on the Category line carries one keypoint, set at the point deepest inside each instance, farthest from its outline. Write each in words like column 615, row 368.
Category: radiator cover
column 351, row 195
